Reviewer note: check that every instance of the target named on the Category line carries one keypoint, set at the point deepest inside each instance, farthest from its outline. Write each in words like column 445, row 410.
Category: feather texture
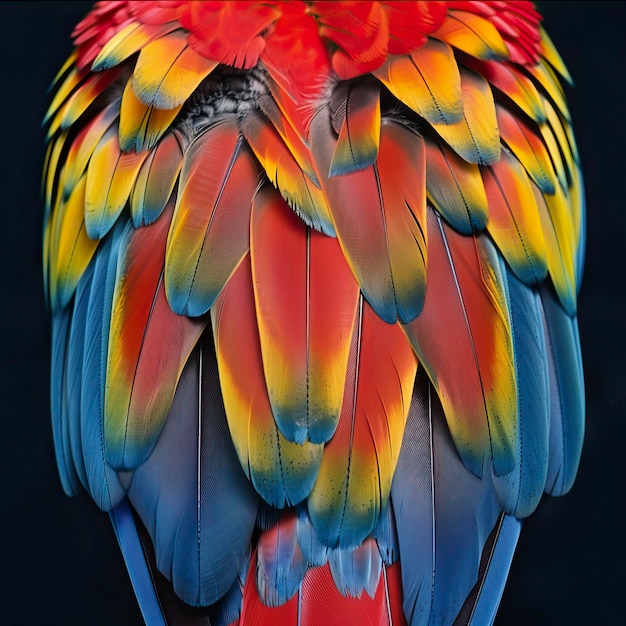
column 281, row 471
column 104, row 485
column 387, row 251
column 514, row 221
column 467, row 322
column 306, row 300
column 191, row 493
column 428, row 81
column 168, row 70
column 443, row 514
column 258, row 217
column 210, row 231
column 156, row 180
column 148, row 347
column 284, row 172
column 359, row 128
column 475, row 138
column 110, row 177
column 359, row 461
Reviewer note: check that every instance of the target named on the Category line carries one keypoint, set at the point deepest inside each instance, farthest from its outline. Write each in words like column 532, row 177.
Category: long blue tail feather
column 138, row 570
column 498, row 563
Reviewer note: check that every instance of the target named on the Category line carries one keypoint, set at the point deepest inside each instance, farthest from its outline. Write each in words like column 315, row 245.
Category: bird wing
column 312, row 270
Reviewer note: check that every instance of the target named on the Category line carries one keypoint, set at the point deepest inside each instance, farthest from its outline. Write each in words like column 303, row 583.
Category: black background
column 59, row 561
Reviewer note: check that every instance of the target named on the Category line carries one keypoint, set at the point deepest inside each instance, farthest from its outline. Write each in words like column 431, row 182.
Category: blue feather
column 521, row 489
column 386, row 536
column 356, row 571
column 104, row 485
column 313, row 550
column 498, row 565
column 280, row 563
column 192, row 494
column 74, row 371
column 140, row 576
column 582, row 239
column 227, row 610
column 443, row 514
column 567, row 394
column 58, row 403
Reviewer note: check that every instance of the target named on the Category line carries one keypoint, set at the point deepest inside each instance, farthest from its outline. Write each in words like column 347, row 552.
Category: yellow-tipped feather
column 475, row 138
column 168, row 71
column 427, row 81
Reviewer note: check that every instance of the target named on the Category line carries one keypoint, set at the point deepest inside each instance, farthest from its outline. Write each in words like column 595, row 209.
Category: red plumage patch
column 356, row 36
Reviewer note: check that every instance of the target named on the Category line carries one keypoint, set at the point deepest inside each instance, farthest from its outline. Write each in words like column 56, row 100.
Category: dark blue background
column 59, row 561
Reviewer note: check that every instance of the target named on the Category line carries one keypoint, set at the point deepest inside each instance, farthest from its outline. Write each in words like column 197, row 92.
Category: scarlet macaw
column 313, row 269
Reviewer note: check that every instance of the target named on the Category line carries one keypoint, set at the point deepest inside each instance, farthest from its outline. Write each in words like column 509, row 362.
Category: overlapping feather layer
column 257, row 239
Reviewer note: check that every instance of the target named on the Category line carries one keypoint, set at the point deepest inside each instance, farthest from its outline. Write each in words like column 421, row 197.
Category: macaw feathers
column 314, row 305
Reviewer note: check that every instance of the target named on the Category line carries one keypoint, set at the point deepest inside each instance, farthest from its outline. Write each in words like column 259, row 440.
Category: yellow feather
column 472, row 34
column 110, row 177
column 168, row 71
column 69, row 84
column 75, row 249
column 475, row 138
column 427, row 81
column 558, row 250
column 559, row 129
column 80, row 151
column 550, row 53
column 546, row 77
column 141, row 125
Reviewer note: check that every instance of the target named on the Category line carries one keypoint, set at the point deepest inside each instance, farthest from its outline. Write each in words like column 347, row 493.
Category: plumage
column 567, row 399
column 514, row 84
column 126, row 42
column 280, row 563
column 520, row 490
column 156, row 180
column 528, row 148
column 475, row 137
column 281, row 471
column 313, row 271
column 283, row 171
column 306, row 301
column 168, row 71
column 104, row 485
column 444, row 515
column 85, row 143
column 466, row 321
column 455, row 188
column 142, row 125
column 192, row 470
column 387, row 250
column 111, row 174
column 359, row 461
column 75, row 248
column 148, row 347
column 428, row 81
column 514, row 221
column 84, row 97
column 357, row 122
column 474, row 35
column 58, row 405
column 209, row 234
